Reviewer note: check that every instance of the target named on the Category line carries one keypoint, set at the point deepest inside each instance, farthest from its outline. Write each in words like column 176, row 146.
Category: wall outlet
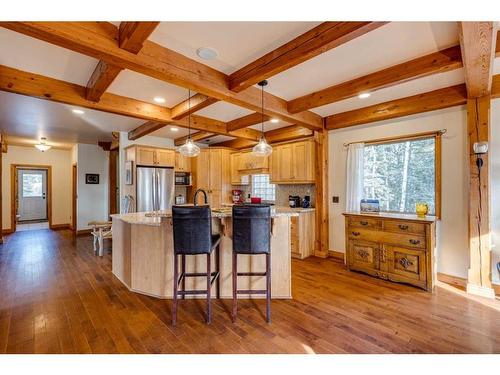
column 335, row 199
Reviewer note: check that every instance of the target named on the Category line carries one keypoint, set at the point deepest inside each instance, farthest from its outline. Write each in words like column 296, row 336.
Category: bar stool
column 252, row 236
column 192, row 227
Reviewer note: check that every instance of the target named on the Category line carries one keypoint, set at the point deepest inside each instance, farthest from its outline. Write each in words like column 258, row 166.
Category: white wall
column 92, row 203
column 494, row 155
column 147, row 140
column 59, row 160
column 452, row 241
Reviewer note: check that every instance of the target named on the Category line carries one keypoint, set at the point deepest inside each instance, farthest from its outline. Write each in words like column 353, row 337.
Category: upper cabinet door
column 215, row 170
column 304, row 161
column 165, row 158
column 146, row 156
column 202, row 167
column 286, row 163
column 182, row 163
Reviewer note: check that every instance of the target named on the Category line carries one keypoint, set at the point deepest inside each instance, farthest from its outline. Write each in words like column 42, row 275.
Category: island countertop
column 155, row 218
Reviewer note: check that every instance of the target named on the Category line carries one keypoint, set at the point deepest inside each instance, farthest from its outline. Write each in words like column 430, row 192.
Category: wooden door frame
column 113, row 185
column 14, row 190
column 74, row 192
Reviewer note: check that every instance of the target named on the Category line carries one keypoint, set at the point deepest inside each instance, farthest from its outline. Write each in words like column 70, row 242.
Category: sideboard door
column 363, row 255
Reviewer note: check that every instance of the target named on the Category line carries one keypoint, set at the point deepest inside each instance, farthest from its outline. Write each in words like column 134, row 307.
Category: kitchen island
column 143, row 258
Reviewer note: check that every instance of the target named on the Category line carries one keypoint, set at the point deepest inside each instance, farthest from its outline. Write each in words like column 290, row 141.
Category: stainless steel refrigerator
column 155, row 188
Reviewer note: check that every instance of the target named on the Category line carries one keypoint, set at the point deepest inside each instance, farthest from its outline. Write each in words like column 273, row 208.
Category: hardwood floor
column 57, row 297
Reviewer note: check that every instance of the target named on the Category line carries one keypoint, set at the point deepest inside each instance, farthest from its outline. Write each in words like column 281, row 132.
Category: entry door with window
column 32, row 194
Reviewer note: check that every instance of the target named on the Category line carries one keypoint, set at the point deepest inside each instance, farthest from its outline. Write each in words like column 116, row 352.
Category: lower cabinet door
column 363, row 256
column 407, row 265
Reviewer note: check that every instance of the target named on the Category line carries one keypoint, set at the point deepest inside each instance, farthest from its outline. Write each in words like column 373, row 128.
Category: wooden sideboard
column 393, row 247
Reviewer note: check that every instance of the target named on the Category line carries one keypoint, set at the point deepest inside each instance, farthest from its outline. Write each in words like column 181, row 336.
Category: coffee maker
column 237, row 196
column 294, row 201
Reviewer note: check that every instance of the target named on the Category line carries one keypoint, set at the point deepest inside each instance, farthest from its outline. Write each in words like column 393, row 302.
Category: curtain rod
column 402, row 137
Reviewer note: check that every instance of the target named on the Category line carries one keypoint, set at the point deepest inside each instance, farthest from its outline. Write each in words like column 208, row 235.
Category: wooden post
column 3, row 148
column 478, row 129
column 322, row 238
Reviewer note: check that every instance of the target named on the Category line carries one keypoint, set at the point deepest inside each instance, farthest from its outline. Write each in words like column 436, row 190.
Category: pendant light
column 262, row 148
column 42, row 146
column 189, row 149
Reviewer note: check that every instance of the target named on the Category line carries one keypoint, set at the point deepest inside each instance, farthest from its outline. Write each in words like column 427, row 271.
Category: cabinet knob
column 403, row 227
column 414, row 242
column 362, row 222
column 355, row 234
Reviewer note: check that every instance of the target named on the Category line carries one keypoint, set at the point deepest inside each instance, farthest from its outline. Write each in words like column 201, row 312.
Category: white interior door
column 32, row 194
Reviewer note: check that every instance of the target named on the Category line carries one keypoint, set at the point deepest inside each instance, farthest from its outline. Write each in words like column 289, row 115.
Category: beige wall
column 452, row 241
column 60, row 160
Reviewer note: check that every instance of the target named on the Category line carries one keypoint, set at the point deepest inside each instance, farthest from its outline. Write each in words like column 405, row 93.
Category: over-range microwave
column 182, row 178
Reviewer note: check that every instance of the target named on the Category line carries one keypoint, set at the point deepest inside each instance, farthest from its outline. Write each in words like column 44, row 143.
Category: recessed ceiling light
column 78, row 111
column 275, row 120
column 159, row 99
column 206, row 53
column 364, row 95
column 174, row 129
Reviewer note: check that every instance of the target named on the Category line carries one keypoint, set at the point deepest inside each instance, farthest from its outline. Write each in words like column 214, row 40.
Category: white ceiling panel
column 144, row 88
column 388, row 45
column 496, row 66
column 268, row 125
column 32, row 118
column 237, row 43
column 167, row 132
column 35, row 56
column 403, row 90
column 223, row 111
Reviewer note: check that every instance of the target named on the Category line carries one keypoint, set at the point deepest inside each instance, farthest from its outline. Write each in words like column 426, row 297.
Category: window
column 402, row 173
column 32, row 185
column 262, row 188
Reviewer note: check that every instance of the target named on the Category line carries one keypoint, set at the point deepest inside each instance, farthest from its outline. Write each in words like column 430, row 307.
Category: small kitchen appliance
column 182, row 178
column 294, row 201
column 306, row 202
column 180, row 199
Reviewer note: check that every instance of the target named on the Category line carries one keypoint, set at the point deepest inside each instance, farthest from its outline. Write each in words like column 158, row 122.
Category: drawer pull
column 355, row 233
column 363, row 222
column 403, row 227
column 414, row 242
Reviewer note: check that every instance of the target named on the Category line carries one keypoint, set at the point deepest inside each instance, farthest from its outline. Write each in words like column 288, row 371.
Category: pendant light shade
column 262, row 148
column 189, row 148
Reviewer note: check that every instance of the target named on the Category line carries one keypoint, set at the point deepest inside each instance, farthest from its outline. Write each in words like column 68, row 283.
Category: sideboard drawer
column 365, row 222
column 408, row 240
column 404, row 227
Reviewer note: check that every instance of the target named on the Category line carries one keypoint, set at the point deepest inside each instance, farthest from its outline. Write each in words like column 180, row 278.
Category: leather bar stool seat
column 192, row 229
column 252, row 236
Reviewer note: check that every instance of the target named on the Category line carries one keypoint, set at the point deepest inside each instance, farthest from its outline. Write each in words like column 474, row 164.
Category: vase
column 421, row 209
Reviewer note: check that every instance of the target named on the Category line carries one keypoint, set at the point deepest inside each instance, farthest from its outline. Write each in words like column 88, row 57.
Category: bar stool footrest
column 251, row 291
column 251, row 274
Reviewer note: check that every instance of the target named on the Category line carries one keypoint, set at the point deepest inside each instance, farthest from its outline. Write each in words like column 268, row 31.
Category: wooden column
column 2, row 140
column 113, row 165
column 322, row 238
column 478, row 129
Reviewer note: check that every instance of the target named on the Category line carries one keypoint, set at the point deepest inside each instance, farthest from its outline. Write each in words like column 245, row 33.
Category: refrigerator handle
column 157, row 190
column 153, row 187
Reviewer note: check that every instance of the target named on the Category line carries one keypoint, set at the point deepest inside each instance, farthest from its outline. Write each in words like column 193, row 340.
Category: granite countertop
column 393, row 215
column 154, row 218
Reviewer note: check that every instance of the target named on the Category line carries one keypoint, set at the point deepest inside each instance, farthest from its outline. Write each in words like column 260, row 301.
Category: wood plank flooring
column 57, row 297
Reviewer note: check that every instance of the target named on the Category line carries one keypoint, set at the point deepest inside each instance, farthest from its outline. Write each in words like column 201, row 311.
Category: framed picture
column 128, row 173
column 91, row 178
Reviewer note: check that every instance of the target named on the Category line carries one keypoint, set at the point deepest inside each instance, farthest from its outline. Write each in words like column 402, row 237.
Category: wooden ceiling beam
column 34, row 85
column 477, row 41
column 438, row 62
column 429, row 101
column 318, row 40
column 284, row 134
column 198, row 101
column 495, row 87
column 131, row 36
column 196, row 137
column 155, row 61
column 245, row 121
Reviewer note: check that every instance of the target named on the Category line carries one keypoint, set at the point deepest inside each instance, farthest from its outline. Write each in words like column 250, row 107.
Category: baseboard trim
column 462, row 282
column 60, row 226
column 336, row 255
column 83, row 232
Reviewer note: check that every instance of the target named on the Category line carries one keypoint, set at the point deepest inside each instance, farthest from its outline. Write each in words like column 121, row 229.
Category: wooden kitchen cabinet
column 392, row 247
column 155, row 157
column 303, row 234
column 293, row 163
column 211, row 172
column 250, row 162
column 182, row 163
column 237, row 177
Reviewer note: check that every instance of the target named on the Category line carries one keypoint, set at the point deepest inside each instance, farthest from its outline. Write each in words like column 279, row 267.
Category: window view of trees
column 400, row 174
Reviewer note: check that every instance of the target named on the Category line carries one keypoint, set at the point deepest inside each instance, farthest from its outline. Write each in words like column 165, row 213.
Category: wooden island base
column 143, row 259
